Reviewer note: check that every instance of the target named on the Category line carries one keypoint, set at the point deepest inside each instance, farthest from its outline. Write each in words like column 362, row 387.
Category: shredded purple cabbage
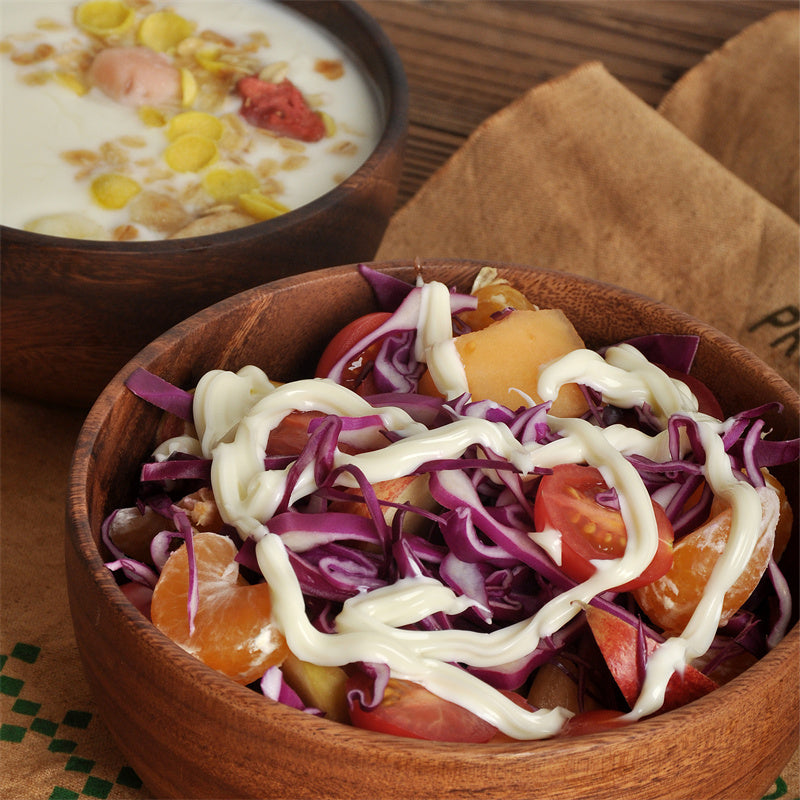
column 177, row 469
column 135, row 571
column 396, row 368
column 389, row 291
column 673, row 350
column 160, row 393
column 274, row 686
column 477, row 541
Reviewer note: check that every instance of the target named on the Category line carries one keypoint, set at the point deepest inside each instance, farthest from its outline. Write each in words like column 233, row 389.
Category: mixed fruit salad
column 467, row 526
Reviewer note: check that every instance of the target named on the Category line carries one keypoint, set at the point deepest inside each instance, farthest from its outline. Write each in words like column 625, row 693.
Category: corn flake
column 191, row 152
column 198, row 122
column 261, row 206
column 104, row 17
column 208, row 59
column 329, row 122
column 152, row 117
column 225, row 185
column 164, row 30
column 188, row 87
column 114, row 191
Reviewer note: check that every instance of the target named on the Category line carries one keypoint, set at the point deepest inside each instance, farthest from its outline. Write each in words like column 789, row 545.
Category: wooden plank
column 466, row 59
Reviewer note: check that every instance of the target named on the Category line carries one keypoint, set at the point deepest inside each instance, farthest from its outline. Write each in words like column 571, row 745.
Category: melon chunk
column 506, row 357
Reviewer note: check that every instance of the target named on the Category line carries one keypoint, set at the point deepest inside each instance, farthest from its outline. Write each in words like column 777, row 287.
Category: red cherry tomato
column 594, row 721
column 410, row 710
column 567, row 501
column 290, row 435
column 706, row 400
column 141, row 596
column 356, row 375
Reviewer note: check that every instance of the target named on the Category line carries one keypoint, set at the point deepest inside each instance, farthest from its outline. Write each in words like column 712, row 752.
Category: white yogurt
column 42, row 122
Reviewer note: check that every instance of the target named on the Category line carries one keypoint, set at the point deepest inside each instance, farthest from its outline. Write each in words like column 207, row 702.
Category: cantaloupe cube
column 510, row 353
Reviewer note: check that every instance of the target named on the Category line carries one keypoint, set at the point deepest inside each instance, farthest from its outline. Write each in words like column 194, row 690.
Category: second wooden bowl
column 74, row 311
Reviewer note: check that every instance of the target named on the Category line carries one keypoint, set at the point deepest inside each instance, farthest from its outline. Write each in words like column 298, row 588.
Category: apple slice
column 318, row 686
column 411, row 489
column 617, row 640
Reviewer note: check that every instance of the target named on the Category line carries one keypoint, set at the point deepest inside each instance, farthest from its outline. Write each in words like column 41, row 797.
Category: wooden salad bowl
column 189, row 731
column 74, row 311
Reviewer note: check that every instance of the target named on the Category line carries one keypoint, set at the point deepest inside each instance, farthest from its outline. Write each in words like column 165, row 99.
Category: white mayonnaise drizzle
column 435, row 344
column 613, row 376
column 234, row 414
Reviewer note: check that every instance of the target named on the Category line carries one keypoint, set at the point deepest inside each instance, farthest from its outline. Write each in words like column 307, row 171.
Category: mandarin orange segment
column 201, row 508
column 671, row 600
column 783, row 531
column 493, row 298
column 233, row 630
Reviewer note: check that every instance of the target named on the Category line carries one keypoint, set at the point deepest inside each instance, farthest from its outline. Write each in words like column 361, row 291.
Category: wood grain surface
column 467, row 59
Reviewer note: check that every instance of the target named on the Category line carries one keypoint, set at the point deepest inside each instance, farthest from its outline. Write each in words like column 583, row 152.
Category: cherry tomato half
column 290, row 435
column 706, row 400
column 567, row 501
column 352, row 333
column 595, row 721
column 410, row 710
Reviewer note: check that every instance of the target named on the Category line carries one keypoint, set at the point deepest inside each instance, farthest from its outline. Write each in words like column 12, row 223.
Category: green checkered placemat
column 49, row 750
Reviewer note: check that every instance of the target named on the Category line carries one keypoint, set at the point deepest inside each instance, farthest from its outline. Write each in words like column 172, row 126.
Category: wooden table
column 466, row 59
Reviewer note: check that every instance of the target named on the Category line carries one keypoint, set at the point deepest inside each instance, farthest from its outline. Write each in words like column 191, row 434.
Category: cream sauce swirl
column 235, row 412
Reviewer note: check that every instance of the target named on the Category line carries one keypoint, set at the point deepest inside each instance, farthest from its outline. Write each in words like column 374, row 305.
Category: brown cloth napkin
column 582, row 176
column 741, row 107
column 577, row 175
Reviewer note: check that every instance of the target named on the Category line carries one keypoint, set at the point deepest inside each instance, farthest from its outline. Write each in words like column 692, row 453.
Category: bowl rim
column 394, row 107
column 708, row 710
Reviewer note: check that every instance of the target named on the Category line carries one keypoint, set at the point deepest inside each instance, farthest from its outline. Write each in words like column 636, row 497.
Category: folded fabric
column 582, row 176
column 740, row 105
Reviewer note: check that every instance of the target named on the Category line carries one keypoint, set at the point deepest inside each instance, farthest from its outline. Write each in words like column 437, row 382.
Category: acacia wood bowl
column 74, row 311
column 190, row 732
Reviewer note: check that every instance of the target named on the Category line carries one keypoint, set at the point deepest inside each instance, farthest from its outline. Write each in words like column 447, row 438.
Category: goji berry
column 279, row 107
